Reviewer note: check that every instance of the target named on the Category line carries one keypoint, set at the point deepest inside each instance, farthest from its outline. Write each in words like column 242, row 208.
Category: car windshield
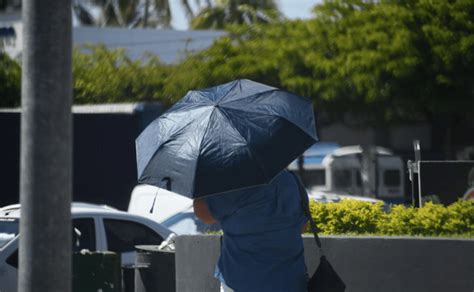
column 8, row 230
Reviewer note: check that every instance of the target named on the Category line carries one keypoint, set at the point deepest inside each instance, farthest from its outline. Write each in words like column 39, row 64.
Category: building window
column 342, row 178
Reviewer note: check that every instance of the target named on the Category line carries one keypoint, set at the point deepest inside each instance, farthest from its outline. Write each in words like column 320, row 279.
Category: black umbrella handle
column 165, row 182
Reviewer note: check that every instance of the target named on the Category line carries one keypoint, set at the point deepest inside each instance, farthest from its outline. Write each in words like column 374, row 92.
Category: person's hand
column 202, row 211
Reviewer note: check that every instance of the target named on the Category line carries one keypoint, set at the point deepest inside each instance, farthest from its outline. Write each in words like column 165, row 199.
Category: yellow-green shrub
column 364, row 218
column 348, row 216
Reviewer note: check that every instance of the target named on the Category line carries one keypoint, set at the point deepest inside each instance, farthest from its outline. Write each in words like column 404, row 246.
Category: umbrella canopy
column 232, row 136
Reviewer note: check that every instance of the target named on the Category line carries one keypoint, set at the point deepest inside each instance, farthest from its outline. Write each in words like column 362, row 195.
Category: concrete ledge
column 366, row 264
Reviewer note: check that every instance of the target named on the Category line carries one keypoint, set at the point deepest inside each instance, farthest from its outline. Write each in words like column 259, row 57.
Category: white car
column 95, row 227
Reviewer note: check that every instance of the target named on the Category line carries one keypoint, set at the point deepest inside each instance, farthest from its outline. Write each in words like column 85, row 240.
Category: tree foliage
column 10, row 78
column 385, row 60
column 109, row 76
column 157, row 13
column 127, row 13
column 226, row 12
column 412, row 58
column 391, row 59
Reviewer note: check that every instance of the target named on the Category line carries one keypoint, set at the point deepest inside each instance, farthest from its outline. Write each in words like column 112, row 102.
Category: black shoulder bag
column 325, row 278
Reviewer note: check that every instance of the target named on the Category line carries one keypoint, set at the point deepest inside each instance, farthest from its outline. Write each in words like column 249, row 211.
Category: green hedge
column 353, row 217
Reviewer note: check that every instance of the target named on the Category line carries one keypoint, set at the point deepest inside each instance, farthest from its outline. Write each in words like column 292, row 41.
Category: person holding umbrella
column 226, row 147
column 262, row 248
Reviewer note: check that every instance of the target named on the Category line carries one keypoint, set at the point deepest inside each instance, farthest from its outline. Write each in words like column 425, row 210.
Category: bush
column 364, row 218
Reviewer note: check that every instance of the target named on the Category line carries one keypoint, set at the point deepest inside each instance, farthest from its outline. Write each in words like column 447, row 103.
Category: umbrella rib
column 249, row 110
column 249, row 96
column 267, row 92
column 200, row 144
column 227, row 93
column 246, row 143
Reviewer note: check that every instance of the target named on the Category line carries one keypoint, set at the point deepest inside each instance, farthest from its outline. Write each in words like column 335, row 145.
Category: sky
column 290, row 8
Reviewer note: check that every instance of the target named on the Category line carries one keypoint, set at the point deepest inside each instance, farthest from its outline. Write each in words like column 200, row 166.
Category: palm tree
column 236, row 11
column 157, row 13
column 128, row 13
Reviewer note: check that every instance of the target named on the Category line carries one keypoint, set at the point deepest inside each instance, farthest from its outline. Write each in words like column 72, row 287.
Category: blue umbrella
column 228, row 137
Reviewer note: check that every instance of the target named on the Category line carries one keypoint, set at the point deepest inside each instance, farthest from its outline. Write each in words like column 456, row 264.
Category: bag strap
column 305, row 206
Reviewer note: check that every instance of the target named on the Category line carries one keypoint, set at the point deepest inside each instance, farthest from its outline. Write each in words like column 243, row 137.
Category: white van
column 329, row 168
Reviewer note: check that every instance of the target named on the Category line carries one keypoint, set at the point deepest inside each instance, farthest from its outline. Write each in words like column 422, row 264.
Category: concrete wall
column 366, row 264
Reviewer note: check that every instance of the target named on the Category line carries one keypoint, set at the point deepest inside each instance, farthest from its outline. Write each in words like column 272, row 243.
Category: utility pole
column 46, row 148
column 414, row 175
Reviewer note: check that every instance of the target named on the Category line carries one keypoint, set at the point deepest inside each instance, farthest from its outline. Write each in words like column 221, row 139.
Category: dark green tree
column 402, row 60
column 10, row 82
column 384, row 61
column 110, row 76
column 225, row 12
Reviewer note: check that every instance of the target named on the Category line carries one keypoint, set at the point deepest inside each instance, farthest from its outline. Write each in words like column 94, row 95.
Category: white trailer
column 332, row 169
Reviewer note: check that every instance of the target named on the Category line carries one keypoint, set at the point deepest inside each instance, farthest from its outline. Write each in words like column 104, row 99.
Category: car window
column 314, row 177
column 342, row 178
column 83, row 234
column 358, row 178
column 392, row 178
column 122, row 236
column 8, row 230
column 86, row 240
column 12, row 260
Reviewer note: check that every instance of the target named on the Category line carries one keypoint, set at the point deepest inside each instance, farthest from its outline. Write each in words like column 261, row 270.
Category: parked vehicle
column 176, row 212
column 169, row 209
column 328, row 168
column 95, row 228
